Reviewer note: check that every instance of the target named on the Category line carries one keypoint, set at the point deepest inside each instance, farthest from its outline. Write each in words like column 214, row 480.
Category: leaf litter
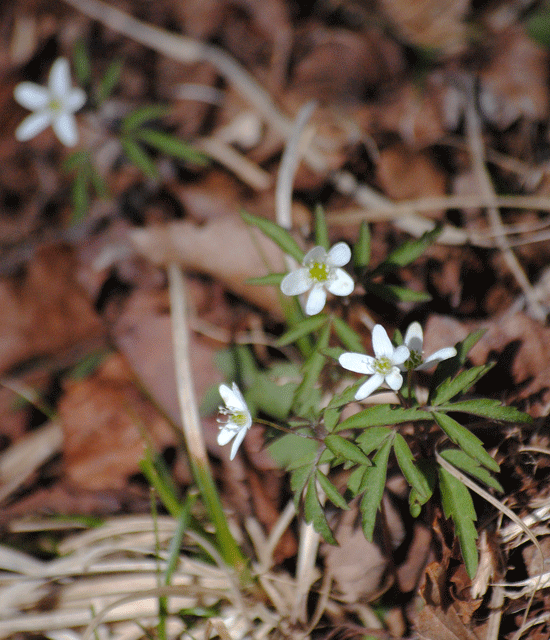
column 385, row 144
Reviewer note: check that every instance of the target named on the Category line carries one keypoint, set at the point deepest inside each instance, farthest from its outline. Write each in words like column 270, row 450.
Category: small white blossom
column 320, row 271
column 414, row 341
column 238, row 419
column 384, row 367
column 53, row 105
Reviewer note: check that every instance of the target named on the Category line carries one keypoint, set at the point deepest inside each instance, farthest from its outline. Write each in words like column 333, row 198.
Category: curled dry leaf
column 106, row 421
column 226, row 249
column 430, row 24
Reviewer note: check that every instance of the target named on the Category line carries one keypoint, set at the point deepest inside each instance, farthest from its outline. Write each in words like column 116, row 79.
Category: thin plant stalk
column 192, row 431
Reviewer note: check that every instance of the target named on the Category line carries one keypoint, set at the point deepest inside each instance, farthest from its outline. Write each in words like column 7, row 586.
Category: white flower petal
column 33, row 125
column 383, row 348
column 357, row 362
column 296, row 282
column 64, row 127
column 59, row 80
column 75, row 100
column 339, row 255
column 317, row 254
column 369, row 386
column 237, row 442
column 400, row 355
column 31, row 96
column 438, row 356
column 232, row 398
column 394, row 379
column 342, row 285
column 414, row 338
column 225, row 434
column 316, row 300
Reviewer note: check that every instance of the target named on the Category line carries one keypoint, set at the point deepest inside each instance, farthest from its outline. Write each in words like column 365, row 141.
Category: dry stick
column 475, row 143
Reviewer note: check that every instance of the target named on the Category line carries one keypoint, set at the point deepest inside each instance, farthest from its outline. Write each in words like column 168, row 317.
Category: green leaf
column 350, row 339
column 537, row 26
column 374, row 481
column 460, row 384
column 298, row 480
column 305, row 398
column 331, row 491
column 271, row 398
column 309, row 325
column 98, row 183
column 109, row 80
column 138, row 157
column 293, row 451
column 395, row 293
column 169, row 144
column 81, row 63
column 144, row 114
column 355, row 479
column 346, row 450
column 450, row 367
column 426, row 468
column 407, row 252
column 463, row 461
column 383, row 414
column 76, row 160
column 466, row 440
column 80, row 196
column 334, row 353
column 458, row 505
column 373, row 438
column 314, row 512
column 330, row 418
column 280, row 236
column 270, row 278
column 487, row 408
column 347, row 396
column 321, row 232
column 412, row 473
column 361, row 249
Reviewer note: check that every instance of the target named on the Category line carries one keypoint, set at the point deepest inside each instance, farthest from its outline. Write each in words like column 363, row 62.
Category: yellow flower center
column 383, row 366
column 55, row 105
column 319, row 271
column 239, row 418
column 415, row 360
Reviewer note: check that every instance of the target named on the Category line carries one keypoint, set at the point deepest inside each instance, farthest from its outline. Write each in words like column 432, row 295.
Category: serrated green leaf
column 383, row 414
column 537, row 26
column 307, row 326
column 109, row 80
column 361, row 249
column 305, row 399
column 144, row 114
column 314, row 512
column 139, row 157
column 270, row 278
column 460, row 384
column 321, row 231
column 450, row 367
column 412, row 473
column 346, row 450
column 170, row 145
column 350, row 339
column 395, row 293
column 408, row 252
column 355, row 479
column 374, row 481
column 463, row 461
column 373, row 438
column 330, row 418
column 457, row 504
column 331, row 491
column 280, row 236
column 81, row 63
column 487, row 408
column 347, row 396
column 271, row 398
column 298, row 480
column 466, row 440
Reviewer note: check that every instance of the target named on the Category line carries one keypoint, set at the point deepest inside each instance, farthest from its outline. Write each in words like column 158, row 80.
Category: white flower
column 414, row 341
column 320, row 270
column 54, row 104
column 238, row 420
column 383, row 368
